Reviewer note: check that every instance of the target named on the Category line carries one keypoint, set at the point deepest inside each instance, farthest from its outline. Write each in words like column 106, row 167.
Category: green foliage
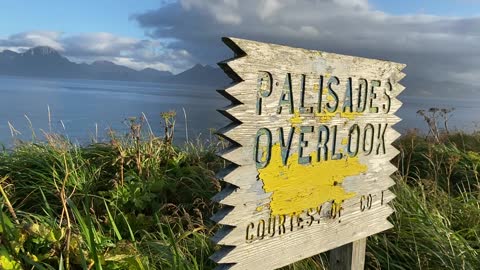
column 135, row 202
column 140, row 202
column 437, row 211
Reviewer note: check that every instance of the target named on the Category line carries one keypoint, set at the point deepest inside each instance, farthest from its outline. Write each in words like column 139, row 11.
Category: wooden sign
column 311, row 134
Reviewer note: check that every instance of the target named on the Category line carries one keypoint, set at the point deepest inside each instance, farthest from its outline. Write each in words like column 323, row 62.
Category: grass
column 139, row 202
column 135, row 202
column 437, row 209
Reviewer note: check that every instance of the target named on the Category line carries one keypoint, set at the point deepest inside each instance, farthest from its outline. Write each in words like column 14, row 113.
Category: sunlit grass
column 137, row 201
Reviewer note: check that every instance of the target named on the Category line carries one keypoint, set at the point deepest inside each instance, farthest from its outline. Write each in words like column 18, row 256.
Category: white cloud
column 268, row 8
column 309, row 30
column 138, row 65
column 223, row 11
column 356, row 4
column 105, row 44
column 431, row 46
column 32, row 39
column 471, row 76
column 88, row 47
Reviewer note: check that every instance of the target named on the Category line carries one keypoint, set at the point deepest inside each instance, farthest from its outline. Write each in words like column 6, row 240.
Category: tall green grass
column 134, row 202
column 437, row 211
column 139, row 202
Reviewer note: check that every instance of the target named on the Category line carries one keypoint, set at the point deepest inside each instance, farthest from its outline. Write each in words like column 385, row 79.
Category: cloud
column 223, row 11
column 32, row 39
column 101, row 44
column 127, row 51
column 436, row 49
column 88, row 47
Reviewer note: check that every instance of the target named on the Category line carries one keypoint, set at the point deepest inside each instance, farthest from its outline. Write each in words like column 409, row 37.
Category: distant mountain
column 44, row 61
column 148, row 74
column 205, row 75
column 106, row 70
column 38, row 61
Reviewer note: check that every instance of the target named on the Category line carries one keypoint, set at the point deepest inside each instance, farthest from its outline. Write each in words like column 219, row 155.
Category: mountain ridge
column 44, row 61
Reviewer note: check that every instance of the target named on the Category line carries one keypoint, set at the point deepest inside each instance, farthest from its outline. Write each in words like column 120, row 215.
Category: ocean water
column 465, row 115
column 84, row 110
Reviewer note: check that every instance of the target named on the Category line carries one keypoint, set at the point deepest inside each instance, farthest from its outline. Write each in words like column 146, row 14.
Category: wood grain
column 349, row 257
column 332, row 202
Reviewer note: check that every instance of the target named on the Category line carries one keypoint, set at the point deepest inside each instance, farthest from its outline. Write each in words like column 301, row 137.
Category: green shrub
column 140, row 202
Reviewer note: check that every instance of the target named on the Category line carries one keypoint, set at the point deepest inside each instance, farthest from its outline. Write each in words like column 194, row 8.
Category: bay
column 84, row 110
column 464, row 117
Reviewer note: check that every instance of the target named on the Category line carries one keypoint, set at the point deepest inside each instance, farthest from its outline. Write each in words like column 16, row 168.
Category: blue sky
column 437, row 39
column 113, row 16
column 73, row 16
column 432, row 7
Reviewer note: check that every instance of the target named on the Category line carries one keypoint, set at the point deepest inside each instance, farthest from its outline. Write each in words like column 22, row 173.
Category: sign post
column 311, row 147
column 349, row 256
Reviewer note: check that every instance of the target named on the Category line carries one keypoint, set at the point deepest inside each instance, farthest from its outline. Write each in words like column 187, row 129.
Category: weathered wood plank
column 312, row 139
column 349, row 257
column 352, row 208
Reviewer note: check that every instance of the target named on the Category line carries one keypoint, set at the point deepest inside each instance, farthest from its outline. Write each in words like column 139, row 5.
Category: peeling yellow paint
column 263, row 87
column 350, row 115
column 296, row 118
column 263, row 158
column 259, row 208
column 297, row 187
column 327, row 116
column 316, row 87
column 323, row 117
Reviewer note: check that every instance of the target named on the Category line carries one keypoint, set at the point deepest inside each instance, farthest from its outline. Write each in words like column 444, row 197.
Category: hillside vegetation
column 139, row 202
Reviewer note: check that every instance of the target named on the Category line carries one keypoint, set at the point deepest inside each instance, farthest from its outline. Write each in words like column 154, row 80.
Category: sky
column 439, row 40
